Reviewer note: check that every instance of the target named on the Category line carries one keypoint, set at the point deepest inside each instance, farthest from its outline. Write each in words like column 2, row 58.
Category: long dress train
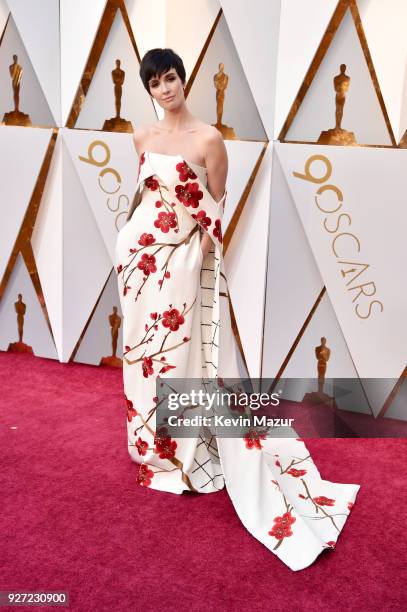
column 176, row 323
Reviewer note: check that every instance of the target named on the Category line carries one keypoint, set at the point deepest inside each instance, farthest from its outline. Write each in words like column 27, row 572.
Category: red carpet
column 73, row 517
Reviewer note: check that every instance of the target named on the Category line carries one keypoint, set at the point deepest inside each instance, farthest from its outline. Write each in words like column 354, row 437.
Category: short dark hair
column 156, row 61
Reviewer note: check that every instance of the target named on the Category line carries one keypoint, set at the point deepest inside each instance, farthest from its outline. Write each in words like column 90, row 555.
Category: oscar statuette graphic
column 337, row 135
column 220, row 80
column 115, row 322
column 20, row 346
column 16, row 117
column 322, row 353
column 117, row 123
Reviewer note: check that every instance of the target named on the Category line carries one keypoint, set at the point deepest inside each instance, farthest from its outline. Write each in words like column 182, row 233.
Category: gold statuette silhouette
column 337, row 135
column 16, row 117
column 322, row 353
column 117, row 123
column 115, row 322
column 221, row 80
column 20, row 346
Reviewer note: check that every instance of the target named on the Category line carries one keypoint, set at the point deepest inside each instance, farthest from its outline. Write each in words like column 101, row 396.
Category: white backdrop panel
column 86, row 261
column 245, row 266
column 22, row 152
column 372, row 233
column 110, row 186
column 362, row 113
column 384, row 24
column 47, row 241
column 32, row 99
column 254, row 27
column 99, row 103
column 293, row 279
column 38, row 24
column 302, row 25
column 35, row 330
column 79, row 24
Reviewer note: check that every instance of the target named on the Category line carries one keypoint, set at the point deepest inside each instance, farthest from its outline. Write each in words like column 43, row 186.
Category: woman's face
column 167, row 89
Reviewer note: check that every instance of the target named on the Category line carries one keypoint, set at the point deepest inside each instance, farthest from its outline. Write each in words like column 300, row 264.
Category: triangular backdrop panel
column 79, row 24
column 4, row 13
column 362, row 114
column 36, row 333
column 87, row 264
column 202, row 96
column 398, row 407
column 293, row 278
column 32, row 98
column 358, row 254
column 245, row 266
column 142, row 13
column 255, row 26
column 97, row 341
column 110, row 186
column 16, row 194
column 242, row 157
column 47, row 244
column 302, row 25
column 38, row 25
column 303, row 363
column 384, row 24
column 99, row 103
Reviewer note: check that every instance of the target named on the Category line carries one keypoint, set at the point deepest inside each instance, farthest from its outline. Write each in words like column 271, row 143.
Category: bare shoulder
column 214, row 144
column 140, row 134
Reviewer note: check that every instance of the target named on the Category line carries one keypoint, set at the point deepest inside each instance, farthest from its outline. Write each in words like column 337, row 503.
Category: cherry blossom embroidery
column 119, row 268
column 147, row 264
column 252, row 439
column 296, row 473
column 164, row 445
column 141, row 446
column 331, row 543
column 350, row 505
column 323, row 501
column 131, row 412
column 144, row 475
column 282, row 527
column 151, row 183
column 189, row 194
column 202, row 219
column 217, row 231
column 146, row 239
column 165, row 221
column 185, row 172
column 147, row 367
column 172, row 319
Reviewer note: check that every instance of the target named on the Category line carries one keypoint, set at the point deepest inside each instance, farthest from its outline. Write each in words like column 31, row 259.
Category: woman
column 176, row 323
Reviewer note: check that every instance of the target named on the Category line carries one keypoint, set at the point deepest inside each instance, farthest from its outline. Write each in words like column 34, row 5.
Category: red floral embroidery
column 125, row 289
column 217, row 231
column 164, row 446
column 282, row 526
column 146, row 239
column 147, row 264
column 189, row 194
column 147, row 367
column 202, row 219
column 296, row 473
column 350, row 505
column 151, row 183
column 144, row 475
column 252, row 439
column 131, row 412
column 141, row 446
column 119, row 268
column 185, row 172
column 165, row 221
column 331, row 543
column 323, row 501
column 172, row 319
column 278, row 464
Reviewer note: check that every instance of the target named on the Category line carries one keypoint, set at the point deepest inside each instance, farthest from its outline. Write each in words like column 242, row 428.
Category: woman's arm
column 216, row 161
